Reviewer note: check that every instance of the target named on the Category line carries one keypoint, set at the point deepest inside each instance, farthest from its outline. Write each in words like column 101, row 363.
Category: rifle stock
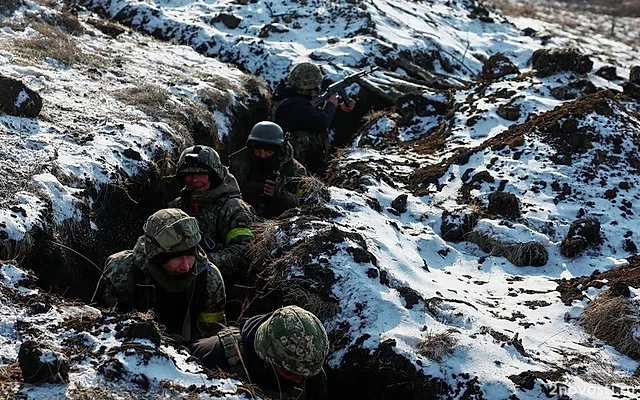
column 339, row 87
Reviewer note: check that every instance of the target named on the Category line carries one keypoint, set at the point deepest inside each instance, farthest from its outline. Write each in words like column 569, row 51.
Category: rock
column 631, row 89
column 529, row 32
column 588, row 228
column 548, row 62
column 574, row 90
column 609, row 73
column 582, row 233
column 41, row 364
column 454, row 228
column 18, row 100
column 497, row 66
column 510, row 112
column 400, row 203
column 229, row 20
column 505, row 204
column 634, row 75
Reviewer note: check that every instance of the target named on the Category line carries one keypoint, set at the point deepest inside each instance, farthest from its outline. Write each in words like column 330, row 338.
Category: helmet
column 170, row 230
column 268, row 133
column 201, row 159
column 293, row 339
column 305, row 76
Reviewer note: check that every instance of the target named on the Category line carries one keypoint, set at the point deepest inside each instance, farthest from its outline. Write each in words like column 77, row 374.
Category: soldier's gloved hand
column 269, row 188
column 348, row 107
column 333, row 100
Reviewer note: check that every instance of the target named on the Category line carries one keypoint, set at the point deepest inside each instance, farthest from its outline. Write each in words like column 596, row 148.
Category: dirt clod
column 505, row 204
column 548, row 62
column 41, row 364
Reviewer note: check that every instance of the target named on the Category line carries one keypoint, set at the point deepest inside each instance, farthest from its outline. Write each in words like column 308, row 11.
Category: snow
column 486, row 303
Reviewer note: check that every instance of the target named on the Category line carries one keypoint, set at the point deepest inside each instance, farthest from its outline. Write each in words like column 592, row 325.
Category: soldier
column 282, row 352
column 309, row 127
column 211, row 194
column 268, row 175
column 167, row 272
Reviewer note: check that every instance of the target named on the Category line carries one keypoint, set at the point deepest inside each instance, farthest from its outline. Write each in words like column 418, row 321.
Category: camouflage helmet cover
column 294, row 339
column 201, row 159
column 266, row 132
column 170, row 230
column 305, row 76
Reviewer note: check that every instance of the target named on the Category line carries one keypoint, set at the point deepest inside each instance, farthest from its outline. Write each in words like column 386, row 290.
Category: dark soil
column 573, row 289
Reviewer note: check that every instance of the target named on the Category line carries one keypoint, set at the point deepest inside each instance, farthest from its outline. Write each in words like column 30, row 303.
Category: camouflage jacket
column 224, row 220
column 188, row 314
column 241, row 359
column 251, row 180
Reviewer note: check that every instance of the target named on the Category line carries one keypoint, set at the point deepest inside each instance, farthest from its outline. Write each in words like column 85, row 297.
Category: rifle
column 277, row 178
column 339, row 87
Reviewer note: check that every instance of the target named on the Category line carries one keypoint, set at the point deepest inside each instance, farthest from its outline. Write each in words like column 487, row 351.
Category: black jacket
column 293, row 112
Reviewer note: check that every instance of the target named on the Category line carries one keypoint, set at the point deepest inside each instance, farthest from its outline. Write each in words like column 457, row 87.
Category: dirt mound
column 574, row 90
column 505, row 204
column 548, row 62
column 498, row 66
column 582, row 233
column 573, row 289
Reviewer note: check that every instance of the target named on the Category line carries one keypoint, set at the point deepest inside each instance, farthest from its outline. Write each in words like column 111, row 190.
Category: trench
column 68, row 259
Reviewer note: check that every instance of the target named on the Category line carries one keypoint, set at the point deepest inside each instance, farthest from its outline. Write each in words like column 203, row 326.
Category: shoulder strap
column 234, row 352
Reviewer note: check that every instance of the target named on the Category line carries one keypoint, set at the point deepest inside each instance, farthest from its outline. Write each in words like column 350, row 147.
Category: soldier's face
column 179, row 265
column 290, row 376
column 263, row 153
column 198, row 182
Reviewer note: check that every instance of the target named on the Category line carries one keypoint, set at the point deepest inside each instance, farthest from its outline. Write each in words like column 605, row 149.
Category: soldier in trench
column 167, row 272
column 282, row 352
column 211, row 195
column 309, row 127
column 267, row 173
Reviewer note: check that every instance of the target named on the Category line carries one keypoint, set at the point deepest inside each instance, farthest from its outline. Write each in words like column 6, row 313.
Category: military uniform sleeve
column 212, row 316
column 117, row 285
column 210, row 353
column 234, row 231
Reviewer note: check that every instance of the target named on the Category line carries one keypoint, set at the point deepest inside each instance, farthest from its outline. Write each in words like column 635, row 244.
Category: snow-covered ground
column 500, row 320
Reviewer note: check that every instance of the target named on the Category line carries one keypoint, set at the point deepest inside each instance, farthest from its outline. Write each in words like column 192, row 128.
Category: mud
column 573, row 289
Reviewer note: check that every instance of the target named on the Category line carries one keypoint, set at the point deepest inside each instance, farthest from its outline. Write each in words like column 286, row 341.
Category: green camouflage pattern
column 305, row 76
column 118, row 286
column 293, row 339
column 224, row 220
column 251, row 182
column 169, row 230
column 198, row 159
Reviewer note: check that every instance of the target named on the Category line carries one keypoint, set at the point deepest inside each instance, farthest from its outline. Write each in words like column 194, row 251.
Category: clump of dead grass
column 531, row 253
column 314, row 191
column 53, row 42
column 10, row 380
column 437, row 346
column 150, row 98
column 615, row 320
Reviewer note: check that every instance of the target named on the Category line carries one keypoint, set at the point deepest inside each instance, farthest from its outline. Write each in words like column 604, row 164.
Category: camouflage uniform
column 290, row 338
column 190, row 305
column 251, row 176
column 223, row 216
column 309, row 126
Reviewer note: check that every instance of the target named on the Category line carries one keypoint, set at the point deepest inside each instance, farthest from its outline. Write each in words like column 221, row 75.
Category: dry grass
column 614, row 320
column 53, row 42
column 521, row 254
column 150, row 98
column 437, row 346
column 10, row 380
column 314, row 191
